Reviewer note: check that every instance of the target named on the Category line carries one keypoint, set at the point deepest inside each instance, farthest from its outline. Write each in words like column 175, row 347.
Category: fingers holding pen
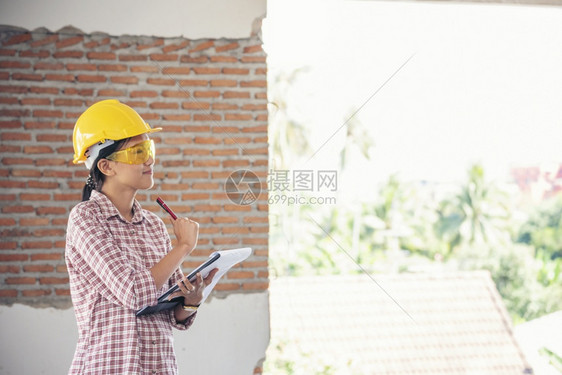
column 186, row 231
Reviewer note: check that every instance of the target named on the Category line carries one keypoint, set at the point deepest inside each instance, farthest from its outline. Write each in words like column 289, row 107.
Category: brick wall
column 208, row 95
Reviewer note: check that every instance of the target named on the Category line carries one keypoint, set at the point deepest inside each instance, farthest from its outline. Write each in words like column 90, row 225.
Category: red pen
column 165, row 207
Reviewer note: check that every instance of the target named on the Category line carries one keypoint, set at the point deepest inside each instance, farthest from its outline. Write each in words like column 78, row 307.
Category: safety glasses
column 137, row 154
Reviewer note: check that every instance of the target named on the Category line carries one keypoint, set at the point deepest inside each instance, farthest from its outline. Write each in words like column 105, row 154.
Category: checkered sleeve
column 176, row 276
column 97, row 255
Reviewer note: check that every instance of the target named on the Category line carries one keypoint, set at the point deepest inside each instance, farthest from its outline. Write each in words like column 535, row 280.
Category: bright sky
column 484, row 83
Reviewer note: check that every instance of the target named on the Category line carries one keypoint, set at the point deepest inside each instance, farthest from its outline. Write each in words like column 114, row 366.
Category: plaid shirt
column 109, row 261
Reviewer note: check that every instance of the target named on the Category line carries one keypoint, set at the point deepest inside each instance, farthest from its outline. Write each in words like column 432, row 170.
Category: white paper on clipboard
column 223, row 260
column 227, row 259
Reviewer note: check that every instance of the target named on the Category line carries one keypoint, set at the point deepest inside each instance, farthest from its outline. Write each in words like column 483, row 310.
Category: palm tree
column 477, row 214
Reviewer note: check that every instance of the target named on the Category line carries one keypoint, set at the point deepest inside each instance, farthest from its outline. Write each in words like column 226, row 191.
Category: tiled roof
column 455, row 323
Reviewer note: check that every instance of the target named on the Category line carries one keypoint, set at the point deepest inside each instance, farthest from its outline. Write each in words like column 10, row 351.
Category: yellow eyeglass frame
column 137, row 154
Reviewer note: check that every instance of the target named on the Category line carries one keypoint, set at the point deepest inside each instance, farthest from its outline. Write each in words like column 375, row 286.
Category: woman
column 119, row 256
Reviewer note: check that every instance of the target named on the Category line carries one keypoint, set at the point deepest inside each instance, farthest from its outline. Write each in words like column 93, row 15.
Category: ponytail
column 96, row 178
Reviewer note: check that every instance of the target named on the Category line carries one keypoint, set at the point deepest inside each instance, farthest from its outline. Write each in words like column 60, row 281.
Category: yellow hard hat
column 106, row 120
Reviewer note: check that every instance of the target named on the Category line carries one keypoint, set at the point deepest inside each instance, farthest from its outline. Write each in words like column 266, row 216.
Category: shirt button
column 132, row 231
column 154, row 371
column 153, row 342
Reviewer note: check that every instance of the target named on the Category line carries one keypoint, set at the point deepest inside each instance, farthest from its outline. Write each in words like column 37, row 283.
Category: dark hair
column 96, row 178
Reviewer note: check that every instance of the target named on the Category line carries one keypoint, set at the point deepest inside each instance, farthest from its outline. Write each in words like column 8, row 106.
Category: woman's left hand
column 192, row 293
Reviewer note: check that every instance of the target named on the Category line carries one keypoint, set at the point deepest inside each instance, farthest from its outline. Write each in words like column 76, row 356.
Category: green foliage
column 477, row 214
column 286, row 357
column 554, row 359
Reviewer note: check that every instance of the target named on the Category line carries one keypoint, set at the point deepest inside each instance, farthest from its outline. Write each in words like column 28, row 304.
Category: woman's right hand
column 187, row 232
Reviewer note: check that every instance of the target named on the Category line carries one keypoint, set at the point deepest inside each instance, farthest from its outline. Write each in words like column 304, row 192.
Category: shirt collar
column 108, row 209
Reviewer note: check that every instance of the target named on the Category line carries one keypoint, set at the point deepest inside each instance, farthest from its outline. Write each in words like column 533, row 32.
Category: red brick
column 176, row 70
column 68, row 54
column 175, row 94
column 27, row 77
column 8, row 293
column 69, row 41
column 39, row 125
column 8, row 245
column 12, row 184
column 15, row 137
column 41, row 42
column 46, row 256
column 257, row 83
column 37, row 150
column 37, row 245
column 255, row 129
column 8, row 52
column 38, row 268
column 236, row 94
column 53, row 280
column 50, row 161
column 206, row 94
column 13, row 89
column 47, row 113
column 163, row 57
column 235, row 163
column 156, row 43
column 74, row 91
column 175, row 47
column 237, row 117
column 9, row 269
column 42, row 184
column 34, row 197
column 91, row 78
column 69, row 102
column 125, row 57
column 42, row 65
column 223, row 83
column 14, row 65
column 206, row 70
column 161, row 81
column 185, row 117
column 17, row 39
column 58, row 174
column 253, row 49
column 59, row 77
column 111, row 92
column 164, row 105
column 81, row 66
column 20, row 280
column 101, row 56
column 128, row 80
column 143, row 94
column 256, row 286
column 10, row 124
column 194, row 60
column 202, row 46
column 17, row 161
column 240, row 275
column 112, row 68
column 227, row 286
column 51, row 232
column 253, row 59
column 227, row 47
column 224, row 59
column 62, row 292
column 34, row 221
column 13, row 257
column 238, row 71
column 197, row 105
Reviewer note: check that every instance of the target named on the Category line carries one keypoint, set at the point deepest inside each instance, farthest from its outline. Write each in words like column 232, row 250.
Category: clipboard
column 223, row 260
